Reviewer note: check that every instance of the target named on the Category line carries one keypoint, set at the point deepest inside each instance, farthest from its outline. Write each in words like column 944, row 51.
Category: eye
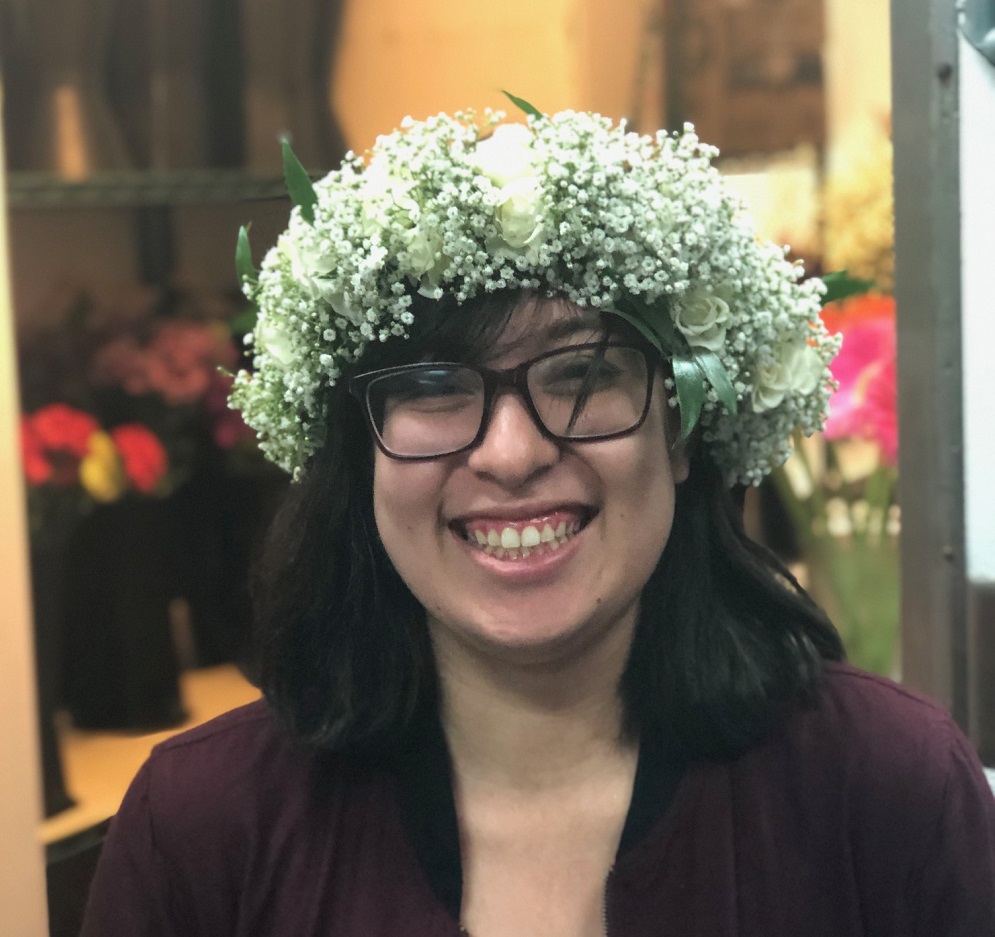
column 569, row 374
column 430, row 389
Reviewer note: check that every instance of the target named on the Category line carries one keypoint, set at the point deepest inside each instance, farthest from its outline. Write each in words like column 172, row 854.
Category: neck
column 533, row 725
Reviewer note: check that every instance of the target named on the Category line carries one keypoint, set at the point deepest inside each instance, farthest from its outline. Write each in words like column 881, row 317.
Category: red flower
column 37, row 469
column 61, row 428
column 54, row 440
column 144, row 457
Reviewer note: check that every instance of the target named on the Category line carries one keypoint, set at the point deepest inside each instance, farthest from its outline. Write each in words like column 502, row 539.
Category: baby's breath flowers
column 567, row 205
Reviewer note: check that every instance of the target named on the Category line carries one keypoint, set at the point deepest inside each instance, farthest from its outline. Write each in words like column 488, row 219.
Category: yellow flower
column 101, row 472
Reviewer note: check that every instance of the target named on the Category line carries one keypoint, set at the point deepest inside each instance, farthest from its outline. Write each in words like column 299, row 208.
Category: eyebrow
column 568, row 327
column 585, row 320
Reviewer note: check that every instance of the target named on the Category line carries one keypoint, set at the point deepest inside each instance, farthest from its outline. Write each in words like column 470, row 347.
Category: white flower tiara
column 567, row 205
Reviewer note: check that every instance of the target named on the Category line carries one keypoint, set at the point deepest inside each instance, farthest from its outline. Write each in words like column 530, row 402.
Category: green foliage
column 243, row 258
column 840, row 285
column 524, row 105
column 299, row 184
column 713, row 368
column 689, row 380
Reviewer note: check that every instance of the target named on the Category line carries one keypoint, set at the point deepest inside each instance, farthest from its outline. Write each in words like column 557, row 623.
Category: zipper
column 604, row 900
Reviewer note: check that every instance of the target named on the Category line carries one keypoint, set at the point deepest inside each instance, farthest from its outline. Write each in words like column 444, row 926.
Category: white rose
column 769, row 389
column 272, row 339
column 701, row 318
column 506, row 155
column 805, row 369
column 423, row 251
column 386, row 198
column 343, row 306
column 796, row 368
column 519, row 210
column 307, row 266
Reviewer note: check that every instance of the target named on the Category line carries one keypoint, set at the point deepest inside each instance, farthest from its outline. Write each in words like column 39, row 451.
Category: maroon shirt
column 867, row 815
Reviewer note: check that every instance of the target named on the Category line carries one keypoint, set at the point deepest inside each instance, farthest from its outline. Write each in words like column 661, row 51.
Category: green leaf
column 524, row 105
column 690, row 383
column 243, row 258
column 640, row 325
column 713, row 368
column 244, row 322
column 658, row 318
column 299, row 183
column 840, row 285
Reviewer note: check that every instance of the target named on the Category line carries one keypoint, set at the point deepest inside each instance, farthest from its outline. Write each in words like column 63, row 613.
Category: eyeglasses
column 580, row 393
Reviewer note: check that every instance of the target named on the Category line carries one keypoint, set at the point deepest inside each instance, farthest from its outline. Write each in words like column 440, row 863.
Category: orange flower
column 143, row 455
column 839, row 316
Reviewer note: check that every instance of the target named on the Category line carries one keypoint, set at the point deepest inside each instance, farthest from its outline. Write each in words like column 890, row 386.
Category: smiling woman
column 524, row 671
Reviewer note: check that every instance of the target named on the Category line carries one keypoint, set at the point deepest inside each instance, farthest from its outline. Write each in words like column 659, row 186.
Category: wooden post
column 22, row 870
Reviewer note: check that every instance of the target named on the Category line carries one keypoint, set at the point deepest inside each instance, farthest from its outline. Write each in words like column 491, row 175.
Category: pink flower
column 865, row 404
column 227, row 426
column 176, row 363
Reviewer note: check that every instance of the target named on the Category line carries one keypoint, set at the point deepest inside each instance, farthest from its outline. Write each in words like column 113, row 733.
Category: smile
column 517, row 540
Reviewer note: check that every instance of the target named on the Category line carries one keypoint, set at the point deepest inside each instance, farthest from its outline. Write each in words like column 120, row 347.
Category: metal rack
column 32, row 191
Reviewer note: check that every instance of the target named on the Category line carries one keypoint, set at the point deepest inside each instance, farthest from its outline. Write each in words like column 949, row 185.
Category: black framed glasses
column 580, row 393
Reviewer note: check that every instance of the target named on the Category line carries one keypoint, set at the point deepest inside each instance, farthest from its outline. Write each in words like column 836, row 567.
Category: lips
column 518, row 538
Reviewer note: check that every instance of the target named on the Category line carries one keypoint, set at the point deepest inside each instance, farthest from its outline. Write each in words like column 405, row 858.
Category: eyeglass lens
column 578, row 393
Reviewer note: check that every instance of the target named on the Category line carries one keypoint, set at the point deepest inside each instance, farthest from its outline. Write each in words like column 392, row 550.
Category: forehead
column 537, row 325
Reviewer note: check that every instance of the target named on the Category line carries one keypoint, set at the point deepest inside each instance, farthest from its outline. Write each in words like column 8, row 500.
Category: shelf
column 30, row 190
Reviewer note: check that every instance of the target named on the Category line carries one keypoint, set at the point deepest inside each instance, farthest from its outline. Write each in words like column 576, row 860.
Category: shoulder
column 866, row 729
column 244, row 747
column 862, row 709
column 879, row 758
column 240, row 776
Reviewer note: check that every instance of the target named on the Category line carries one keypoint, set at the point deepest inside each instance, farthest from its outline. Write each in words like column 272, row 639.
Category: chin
column 521, row 640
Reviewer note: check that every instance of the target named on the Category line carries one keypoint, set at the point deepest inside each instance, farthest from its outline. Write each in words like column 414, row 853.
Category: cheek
column 406, row 501
column 647, row 488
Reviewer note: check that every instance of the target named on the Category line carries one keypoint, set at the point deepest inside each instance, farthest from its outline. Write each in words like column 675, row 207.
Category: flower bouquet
column 840, row 487
column 71, row 463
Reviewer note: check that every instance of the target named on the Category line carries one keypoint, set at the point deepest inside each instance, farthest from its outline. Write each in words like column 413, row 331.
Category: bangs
column 471, row 333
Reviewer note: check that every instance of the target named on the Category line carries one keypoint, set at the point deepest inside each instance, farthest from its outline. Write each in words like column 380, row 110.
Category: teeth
column 510, row 544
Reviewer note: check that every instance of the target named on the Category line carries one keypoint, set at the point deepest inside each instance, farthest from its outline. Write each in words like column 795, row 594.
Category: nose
column 513, row 450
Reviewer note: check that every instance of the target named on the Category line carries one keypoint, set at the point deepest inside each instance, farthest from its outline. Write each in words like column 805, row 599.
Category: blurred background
column 139, row 135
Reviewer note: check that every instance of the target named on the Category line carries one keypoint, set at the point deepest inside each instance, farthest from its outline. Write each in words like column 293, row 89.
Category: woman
column 524, row 673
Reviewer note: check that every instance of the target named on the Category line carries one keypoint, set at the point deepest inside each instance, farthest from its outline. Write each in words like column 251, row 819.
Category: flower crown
column 570, row 205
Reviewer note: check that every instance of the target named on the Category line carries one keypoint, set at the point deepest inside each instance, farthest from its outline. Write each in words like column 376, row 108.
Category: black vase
column 121, row 667
column 48, row 564
column 220, row 520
